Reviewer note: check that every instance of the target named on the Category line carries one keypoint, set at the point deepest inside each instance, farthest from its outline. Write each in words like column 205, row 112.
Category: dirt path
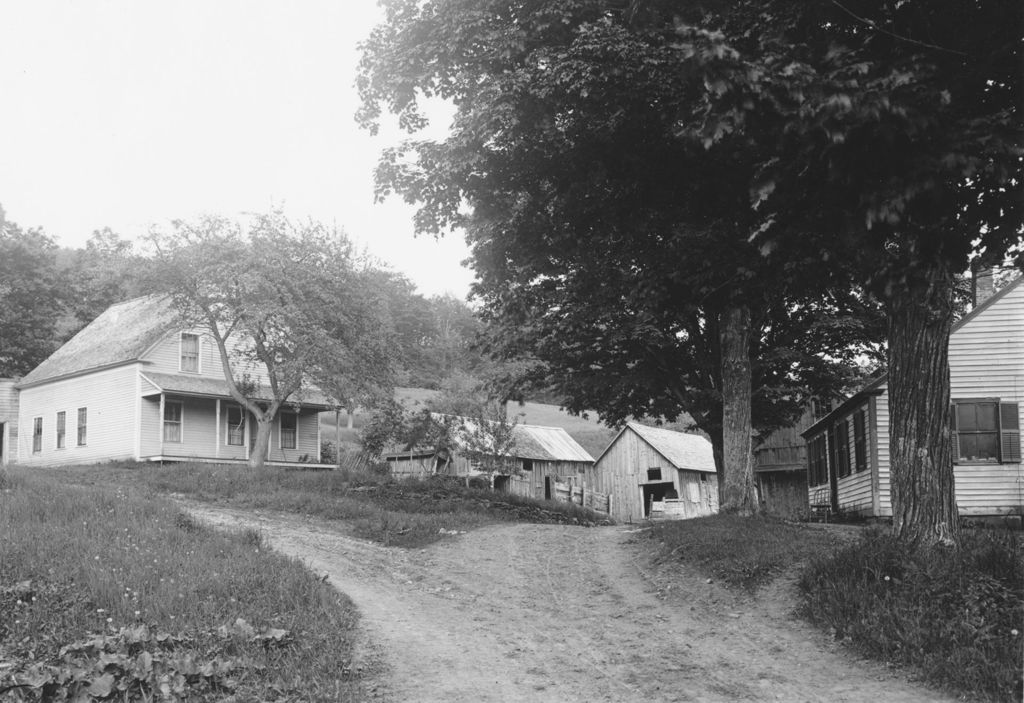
column 552, row 613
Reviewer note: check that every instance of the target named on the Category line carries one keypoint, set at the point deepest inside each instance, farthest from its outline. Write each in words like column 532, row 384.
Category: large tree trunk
column 923, row 496
column 737, row 434
column 261, row 445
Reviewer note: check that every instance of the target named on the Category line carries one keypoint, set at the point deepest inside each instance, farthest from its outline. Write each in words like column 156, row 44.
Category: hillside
column 592, row 435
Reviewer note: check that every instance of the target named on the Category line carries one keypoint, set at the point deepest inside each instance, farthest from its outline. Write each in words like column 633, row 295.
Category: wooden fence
column 571, row 493
column 676, row 509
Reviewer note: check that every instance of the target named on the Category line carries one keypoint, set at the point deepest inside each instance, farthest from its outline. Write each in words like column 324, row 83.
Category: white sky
column 124, row 113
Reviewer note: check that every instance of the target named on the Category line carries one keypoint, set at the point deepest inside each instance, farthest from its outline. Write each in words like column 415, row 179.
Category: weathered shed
column 647, row 468
column 538, row 458
column 8, row 420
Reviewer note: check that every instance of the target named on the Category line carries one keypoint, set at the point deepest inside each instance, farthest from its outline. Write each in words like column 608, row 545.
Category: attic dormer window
column 189, row 352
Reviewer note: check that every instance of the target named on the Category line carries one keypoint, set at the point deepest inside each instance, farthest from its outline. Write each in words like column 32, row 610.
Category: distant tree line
column 49, row 292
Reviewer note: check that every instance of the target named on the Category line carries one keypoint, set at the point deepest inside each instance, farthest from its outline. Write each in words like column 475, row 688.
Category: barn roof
column 528, row 442
column 684, row 451
column 547, row 444
column 122, row 333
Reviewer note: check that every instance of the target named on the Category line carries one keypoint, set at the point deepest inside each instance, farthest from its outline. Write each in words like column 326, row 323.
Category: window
column 190, row 352
column 37, row 435
column 172, row 421
column 289, row 425
column 61, row 428
column 986, row 431
column 527, row 464
column 841, row 448
column 83, row 421
column 860, row 441
column 817, row 463
column 654, row 474
column 236, row 426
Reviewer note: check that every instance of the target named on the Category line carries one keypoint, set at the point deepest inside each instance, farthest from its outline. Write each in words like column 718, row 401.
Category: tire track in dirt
column 524, row 613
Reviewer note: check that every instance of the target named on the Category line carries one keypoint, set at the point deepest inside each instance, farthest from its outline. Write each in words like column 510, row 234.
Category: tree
column 608, row 242
column 285, row 303
column 898, row 159
column 31, row 298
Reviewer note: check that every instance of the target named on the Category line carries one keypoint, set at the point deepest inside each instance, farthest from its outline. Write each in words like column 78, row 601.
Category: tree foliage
column 609, row 242
column 31, row 298
column 286, row 303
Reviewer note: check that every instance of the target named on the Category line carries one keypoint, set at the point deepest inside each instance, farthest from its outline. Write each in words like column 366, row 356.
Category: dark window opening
column 654, row 474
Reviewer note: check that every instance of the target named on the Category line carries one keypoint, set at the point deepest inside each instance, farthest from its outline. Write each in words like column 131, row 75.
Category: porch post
column 162, row 416
column 216, row 434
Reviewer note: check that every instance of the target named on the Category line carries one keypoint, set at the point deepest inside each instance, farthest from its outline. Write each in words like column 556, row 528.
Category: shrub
column 955, row 614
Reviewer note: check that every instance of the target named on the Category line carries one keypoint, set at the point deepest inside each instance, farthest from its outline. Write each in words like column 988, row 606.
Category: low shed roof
column 202, row 386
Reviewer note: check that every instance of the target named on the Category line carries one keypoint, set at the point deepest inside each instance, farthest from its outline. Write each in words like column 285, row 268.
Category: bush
column 955, row 614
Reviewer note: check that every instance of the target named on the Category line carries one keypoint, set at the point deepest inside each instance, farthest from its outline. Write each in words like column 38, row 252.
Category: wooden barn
column 651, row 472
column 538, row 459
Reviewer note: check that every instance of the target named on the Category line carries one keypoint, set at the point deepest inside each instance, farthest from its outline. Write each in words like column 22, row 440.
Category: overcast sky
column 124, row 113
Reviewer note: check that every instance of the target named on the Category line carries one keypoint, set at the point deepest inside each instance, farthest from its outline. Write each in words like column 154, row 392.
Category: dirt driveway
column 554, row 613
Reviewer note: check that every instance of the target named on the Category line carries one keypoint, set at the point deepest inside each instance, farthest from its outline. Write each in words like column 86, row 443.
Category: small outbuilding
column 651, row 472
column 541, row 460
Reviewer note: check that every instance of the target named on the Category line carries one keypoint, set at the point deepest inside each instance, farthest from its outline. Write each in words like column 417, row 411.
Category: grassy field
column 591, row 434
column 112, row 594
column 395, row 513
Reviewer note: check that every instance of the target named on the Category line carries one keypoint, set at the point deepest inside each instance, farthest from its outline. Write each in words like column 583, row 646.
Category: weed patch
column 107, row 595
column 953, row 614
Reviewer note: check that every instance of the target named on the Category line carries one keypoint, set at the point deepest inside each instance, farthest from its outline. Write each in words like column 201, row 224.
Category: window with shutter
column 985, row 431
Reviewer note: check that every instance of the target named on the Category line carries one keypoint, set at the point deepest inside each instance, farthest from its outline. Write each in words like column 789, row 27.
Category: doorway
column 656, row 491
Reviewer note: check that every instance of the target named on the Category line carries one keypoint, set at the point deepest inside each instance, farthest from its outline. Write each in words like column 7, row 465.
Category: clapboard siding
column 8, row 400
column 150, row 427
column 986, row 360
column 165, row 357
column 108, row 396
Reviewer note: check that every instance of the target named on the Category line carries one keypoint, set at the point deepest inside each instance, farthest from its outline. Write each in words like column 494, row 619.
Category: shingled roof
column 685, row 451
column 121, row 334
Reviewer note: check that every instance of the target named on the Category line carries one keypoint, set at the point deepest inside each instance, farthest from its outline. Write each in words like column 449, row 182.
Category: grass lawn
column 106, row 592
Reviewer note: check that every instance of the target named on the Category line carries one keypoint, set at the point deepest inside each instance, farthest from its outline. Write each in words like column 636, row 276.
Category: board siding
column 109, row 397
column 621, row 473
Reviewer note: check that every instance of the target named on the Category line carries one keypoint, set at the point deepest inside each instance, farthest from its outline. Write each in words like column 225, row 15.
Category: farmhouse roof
column 691, row 452
column 123, row 333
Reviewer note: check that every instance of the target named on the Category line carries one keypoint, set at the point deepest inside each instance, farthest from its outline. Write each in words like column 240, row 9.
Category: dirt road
column 553, row 613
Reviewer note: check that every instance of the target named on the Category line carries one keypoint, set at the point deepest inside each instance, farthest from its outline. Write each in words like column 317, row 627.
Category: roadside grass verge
column 954, row 617
column 402, row 513
column 108, row 595
column 954, row 614
column 744, row 553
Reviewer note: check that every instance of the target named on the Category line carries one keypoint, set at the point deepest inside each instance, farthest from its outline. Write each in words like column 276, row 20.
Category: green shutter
column 1009, row 433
